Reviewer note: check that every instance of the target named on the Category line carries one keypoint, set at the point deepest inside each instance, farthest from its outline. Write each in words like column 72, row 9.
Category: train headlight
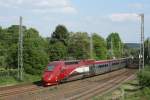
column 50, row 78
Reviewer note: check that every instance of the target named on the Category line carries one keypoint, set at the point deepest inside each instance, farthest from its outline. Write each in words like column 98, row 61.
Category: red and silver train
column 59, row 71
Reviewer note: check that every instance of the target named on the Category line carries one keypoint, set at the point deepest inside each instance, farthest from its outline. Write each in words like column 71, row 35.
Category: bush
column 8, row 72
column 144, row 77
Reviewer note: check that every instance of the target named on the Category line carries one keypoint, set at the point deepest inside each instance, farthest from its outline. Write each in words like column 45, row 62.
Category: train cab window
column 50, row 67
column 71, row 62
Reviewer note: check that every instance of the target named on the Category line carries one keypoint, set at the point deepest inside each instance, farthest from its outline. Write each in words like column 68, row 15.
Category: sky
column 92, row 16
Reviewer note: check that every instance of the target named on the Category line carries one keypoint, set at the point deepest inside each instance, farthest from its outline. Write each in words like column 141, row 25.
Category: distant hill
column 133, row 45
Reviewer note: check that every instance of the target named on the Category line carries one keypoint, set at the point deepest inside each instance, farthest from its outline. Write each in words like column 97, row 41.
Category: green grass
column 4, row 81
column 10, row 80
column 129, row 89
column 141, row 94
column 132, row 91
column 31, row 78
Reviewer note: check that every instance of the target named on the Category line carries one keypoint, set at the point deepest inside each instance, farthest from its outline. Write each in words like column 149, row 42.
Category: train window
column 100, row 66
column 116, row 63
column 50, row 67
column 71, row 62
column 96, row 65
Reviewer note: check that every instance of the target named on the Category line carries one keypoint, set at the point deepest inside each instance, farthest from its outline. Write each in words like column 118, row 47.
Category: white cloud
column 54, row 10
column 8, row 18
column 68, row 9
column 121, row 17
column 43, row 6
column 136, row 5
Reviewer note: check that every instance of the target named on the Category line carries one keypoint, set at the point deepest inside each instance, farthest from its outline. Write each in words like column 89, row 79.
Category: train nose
column 48, row 78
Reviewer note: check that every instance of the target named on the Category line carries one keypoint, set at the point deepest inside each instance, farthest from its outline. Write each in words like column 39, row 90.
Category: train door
column 92, row 70
column 109, row 65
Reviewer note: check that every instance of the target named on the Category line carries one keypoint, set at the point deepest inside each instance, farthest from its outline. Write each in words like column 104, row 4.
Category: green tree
column 99, row 45
column 60, row 34
column 35, row 51
column 114, row 43
column 79, row 46
column 35, row 56
column 1, row 48
column 10, row 41
column 58, row 46
column 57, row 51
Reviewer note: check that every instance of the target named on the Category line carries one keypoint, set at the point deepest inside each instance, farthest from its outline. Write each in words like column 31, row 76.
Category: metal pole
column 120, row 48
column 148, row 48
column 91, row 46
column 112, row 52
column 142, row 38
column 20, row 51
column 141, row 56
column 142, row 25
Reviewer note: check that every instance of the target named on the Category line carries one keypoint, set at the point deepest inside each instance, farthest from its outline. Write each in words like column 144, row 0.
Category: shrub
column 144, row 77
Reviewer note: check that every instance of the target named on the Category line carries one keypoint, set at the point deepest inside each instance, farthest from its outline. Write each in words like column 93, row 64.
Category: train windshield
column 50, row 67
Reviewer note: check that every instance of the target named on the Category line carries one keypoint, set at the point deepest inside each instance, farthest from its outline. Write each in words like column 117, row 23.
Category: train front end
column 51, row 73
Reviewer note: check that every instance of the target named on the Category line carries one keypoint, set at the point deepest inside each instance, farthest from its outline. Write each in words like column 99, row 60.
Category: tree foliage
column 34, row 52
column 38, row 51
column 100, row 49
column 79, row 46
column 58, row 43
column 147, row 50
column 57, row 51
column 35, row 56
column 144, row 77
column 60, row 34
column 114, row 45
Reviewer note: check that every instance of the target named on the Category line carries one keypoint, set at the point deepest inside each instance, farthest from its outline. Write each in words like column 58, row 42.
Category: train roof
column 88, row 61
column 104, row 61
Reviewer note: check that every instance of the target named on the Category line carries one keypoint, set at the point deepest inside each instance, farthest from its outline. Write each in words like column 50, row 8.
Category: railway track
column 19, row 90
column 91, row 83
column 102, row 87
column 72, row 90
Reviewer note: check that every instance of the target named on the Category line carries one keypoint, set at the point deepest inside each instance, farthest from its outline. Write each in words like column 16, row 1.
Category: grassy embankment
column 137, row 89
column 10, row 78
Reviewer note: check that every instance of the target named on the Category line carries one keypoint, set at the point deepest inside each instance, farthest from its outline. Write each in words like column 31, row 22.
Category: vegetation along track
column 81, row 89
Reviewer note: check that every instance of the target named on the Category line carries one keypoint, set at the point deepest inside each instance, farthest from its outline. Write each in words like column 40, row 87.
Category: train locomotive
column 60, row 71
